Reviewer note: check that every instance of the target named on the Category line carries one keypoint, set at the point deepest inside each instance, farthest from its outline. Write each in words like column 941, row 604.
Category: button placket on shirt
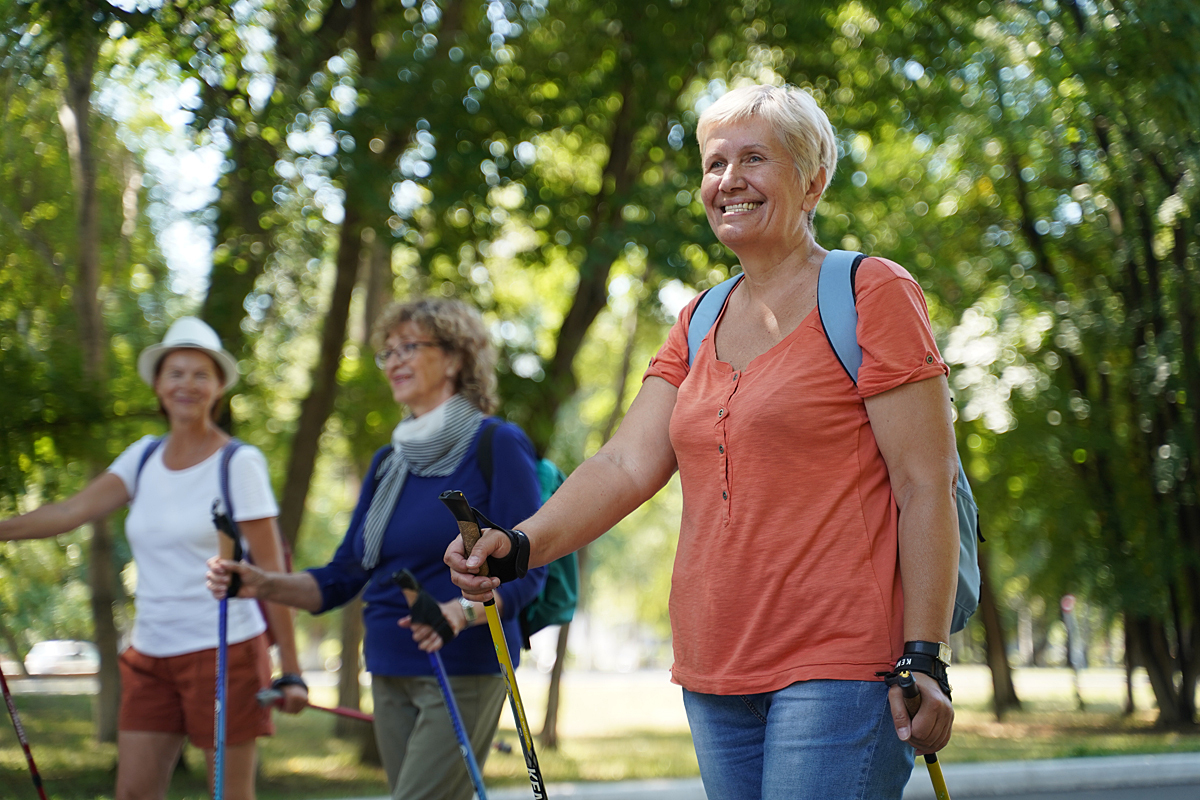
column 723, row 443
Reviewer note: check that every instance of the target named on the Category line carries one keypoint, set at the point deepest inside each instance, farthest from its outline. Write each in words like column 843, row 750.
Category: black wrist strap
column 289, row 679
column 513, row 566
column 918, row 662
column 427, row 612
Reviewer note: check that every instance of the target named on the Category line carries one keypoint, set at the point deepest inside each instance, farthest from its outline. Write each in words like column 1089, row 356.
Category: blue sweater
column 416, row 538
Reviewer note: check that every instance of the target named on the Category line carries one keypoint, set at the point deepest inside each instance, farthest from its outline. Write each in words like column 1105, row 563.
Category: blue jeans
column 814, row 739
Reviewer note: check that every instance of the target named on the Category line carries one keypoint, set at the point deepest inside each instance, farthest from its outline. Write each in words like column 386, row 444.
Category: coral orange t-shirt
column 787, row 567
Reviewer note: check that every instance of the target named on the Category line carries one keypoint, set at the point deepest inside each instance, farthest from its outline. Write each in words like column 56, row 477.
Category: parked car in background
column 63, row 657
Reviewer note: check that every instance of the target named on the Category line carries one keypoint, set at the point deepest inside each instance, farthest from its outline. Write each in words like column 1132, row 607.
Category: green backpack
column 555, row 604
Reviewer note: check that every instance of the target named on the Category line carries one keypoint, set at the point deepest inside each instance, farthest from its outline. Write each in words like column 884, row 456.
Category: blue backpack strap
column 483, row 451
column 706, row 313
column 149, row 451
column 227, row 452
column 835, row 304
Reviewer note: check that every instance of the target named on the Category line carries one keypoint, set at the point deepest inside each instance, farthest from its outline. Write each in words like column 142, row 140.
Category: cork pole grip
column 468, row 526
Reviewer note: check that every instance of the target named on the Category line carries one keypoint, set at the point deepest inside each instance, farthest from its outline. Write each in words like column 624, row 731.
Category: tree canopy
column 1032, row 163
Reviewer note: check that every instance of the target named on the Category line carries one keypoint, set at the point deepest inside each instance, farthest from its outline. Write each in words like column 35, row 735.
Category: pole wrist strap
column 918, row 662
column 513, row 566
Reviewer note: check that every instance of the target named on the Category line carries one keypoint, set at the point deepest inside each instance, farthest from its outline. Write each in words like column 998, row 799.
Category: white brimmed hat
column 188, row 333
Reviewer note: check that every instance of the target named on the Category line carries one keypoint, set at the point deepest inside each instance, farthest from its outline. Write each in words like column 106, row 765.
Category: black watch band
column 289, row 679
column 938, row 650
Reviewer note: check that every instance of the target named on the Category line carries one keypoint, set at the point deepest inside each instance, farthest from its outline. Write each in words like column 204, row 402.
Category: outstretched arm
column 296, row 589
column 104, row 495
column 626, row 472
column 262, row 535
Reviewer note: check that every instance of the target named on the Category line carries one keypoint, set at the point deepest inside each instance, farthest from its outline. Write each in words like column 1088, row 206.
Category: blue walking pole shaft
column 425, row 610
column 228, row 528
column 460, row 732
column 222, row 686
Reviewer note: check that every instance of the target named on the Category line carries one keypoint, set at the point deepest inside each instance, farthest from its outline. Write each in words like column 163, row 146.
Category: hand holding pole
column 912, row 702
column 468, row 527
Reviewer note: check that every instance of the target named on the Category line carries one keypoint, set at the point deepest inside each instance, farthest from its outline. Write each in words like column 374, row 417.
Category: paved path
column 1172, row 776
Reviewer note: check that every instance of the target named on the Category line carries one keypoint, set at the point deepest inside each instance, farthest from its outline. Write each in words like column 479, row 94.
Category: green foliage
column 1032, row 163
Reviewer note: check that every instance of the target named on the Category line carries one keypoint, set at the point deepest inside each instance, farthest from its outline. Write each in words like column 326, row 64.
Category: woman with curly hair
column 437, row 359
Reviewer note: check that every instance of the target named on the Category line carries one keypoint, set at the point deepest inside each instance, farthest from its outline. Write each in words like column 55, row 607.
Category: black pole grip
column 422, row 605
column 228, row 527
column 912, row 701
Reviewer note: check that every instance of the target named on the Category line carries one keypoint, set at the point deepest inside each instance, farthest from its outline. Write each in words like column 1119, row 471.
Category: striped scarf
column 432, row 445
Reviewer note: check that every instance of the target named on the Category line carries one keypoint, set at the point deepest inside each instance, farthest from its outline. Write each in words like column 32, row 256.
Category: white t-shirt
column 171, row 533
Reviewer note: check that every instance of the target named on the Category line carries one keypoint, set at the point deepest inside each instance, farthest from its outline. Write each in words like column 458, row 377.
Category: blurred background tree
column 284, row 169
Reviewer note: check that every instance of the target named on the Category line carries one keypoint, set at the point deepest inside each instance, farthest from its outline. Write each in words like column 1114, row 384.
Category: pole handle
column 225, row 525
column 910, row 690
column 468, row 525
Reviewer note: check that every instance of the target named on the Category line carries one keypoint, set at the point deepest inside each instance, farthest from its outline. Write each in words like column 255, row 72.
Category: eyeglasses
column 403, row 351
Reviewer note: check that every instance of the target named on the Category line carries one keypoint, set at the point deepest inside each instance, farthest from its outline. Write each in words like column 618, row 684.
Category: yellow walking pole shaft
column 468, row 528
column 912, row 701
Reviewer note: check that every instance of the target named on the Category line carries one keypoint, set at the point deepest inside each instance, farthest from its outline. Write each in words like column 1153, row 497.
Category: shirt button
column 721, row 449
column 724, row 495
column 720, row 412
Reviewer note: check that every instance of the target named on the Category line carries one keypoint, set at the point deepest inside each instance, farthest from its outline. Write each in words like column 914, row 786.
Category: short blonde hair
column 802, row 126
column 458, row 328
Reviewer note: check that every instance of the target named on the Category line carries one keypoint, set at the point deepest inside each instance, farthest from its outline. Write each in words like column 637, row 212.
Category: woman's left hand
column 295, row 699
column 929, row 729
column 426, row 637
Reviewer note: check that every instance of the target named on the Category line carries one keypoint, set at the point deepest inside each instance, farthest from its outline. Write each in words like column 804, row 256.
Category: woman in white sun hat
column 168, row 673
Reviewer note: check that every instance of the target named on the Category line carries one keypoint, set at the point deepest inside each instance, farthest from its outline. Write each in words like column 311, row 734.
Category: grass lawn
column 613, row 727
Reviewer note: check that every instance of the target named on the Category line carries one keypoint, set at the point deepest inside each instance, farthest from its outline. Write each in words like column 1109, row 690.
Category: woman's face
column 751, row 189
column 188, row 385
column 423, row 378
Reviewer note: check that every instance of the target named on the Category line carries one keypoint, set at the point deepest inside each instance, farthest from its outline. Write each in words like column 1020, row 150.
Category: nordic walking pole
column 274, row 697
column 468, row 527
column 228, row 527
column 424, row 609
column 16, row 720
column 912, row 701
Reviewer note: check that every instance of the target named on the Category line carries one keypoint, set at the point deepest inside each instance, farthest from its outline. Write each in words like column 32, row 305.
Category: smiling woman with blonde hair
column 168, row 673
column 818, row 541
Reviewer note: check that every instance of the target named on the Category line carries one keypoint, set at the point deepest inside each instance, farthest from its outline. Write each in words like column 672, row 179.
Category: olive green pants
column 416, row 738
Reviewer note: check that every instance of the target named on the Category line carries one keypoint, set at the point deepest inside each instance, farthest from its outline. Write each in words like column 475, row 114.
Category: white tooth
column 741, row 207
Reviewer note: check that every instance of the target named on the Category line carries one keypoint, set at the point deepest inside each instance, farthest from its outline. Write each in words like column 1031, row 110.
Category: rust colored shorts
column 177, row 694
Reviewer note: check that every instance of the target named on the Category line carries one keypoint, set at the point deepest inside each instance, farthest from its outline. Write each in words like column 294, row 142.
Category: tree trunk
column 1130, row 707
column 550, row 724
column 14, row 646
column 100, row 571
column 378, row 280
column 1004, row 694
column 242, row 244
column 349, row 689
column 79, row 62
column 1152, row 651
column 318, row 405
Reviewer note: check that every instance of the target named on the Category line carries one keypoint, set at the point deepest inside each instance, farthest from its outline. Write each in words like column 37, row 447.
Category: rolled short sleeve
column 893, row 329
column 126, row 465
column 671, row 361
column 250, row 485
